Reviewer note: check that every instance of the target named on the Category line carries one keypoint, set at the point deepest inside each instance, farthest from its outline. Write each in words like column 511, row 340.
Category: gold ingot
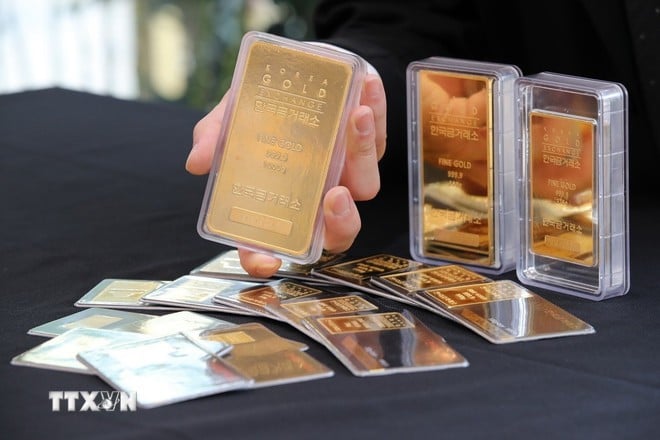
column 278, row 150
column 456, row 127
column 562, row 187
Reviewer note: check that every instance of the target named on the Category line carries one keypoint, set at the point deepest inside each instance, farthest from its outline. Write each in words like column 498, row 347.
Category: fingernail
column 341, row 205
column 364, row 123
column 374, row 88
column 266, row 266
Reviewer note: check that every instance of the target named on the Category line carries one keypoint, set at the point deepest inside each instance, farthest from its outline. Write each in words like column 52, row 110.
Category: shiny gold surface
column 432, row 277
column 365, row 323
column 456, row 126
column 279, row 143
column 562, row 187
column 275, row 293
column 477, row 293
column 529, row 317
column 95, row 321
column 504, row 311
column 384, row 343
column 89, row 318
column 252, row 339
column 278, row 367
column 329, row 306
column 361, row 270
column 125, row 291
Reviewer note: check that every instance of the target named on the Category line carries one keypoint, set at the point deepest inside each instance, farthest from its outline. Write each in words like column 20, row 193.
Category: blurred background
column 180, row 51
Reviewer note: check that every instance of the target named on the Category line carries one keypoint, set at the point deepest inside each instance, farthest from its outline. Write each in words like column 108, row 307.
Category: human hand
column 360, row 178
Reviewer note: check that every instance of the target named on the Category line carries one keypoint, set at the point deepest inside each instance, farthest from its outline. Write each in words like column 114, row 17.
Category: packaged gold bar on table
column 407, row 283
column 358, row 273
column 281, row 146
column 265, row 357
column 504, row 312
column 93, row 317
column 167, row 369
column 278, row 368
column 183, row 321
column 573, row 143
column 295, row 311
column 255, row 299
column 462, row 164
column 196, row 292
column 59, row 352
column 116, row 293
column 384, row 343
column 251, row 339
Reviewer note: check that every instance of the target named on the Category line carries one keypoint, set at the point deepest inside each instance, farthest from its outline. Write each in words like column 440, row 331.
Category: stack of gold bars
column 341, row 304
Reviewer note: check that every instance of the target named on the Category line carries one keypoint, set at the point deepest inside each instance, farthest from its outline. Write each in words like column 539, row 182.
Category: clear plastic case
column 461, row 147
column 572, row 136
column 281, row 146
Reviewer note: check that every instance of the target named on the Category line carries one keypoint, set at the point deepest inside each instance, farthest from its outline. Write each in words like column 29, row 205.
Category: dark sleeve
column 391, row 34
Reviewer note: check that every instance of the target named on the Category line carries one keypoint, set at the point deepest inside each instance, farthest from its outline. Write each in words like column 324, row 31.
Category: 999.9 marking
column 275, row 167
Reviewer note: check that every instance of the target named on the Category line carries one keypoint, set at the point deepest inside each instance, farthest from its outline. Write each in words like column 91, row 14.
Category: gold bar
column 279, row 147
column 456, row 134
column 365, row 323
column 562, row 187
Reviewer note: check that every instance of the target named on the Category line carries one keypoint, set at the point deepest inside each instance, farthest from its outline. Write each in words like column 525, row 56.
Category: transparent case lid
column 573, row 185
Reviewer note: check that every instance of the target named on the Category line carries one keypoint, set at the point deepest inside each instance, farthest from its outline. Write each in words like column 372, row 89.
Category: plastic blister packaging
column 572, row 136
column 281, row 147
column 461, row 146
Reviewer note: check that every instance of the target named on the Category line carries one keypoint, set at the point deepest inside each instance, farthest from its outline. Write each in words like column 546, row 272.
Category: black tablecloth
column 94, row 187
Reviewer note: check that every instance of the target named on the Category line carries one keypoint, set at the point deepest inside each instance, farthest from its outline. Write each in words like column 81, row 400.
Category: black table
column 94, row 187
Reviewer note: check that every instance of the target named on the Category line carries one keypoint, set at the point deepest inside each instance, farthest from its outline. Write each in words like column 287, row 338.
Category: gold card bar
column 329, row 306
column 365, row 323
column 275, row 293
column 279, row 146
column 562, row 187
column 456, row 129
column 252, row 339
column 126, row 290
column 429, row 278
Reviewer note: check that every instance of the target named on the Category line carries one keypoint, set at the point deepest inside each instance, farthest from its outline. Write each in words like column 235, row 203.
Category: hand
column 360, row 179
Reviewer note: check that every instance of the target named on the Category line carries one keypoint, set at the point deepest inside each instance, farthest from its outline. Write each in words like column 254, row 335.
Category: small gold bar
column 281, row 147
column 365, row 323
column 573, row 142
column 429, row 278
column 562, row 187
column 456, row 132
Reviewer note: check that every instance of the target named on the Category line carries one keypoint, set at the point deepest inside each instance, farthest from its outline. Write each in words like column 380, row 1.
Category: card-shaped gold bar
column 280, row 144
column 384, row 343
column 361, row 270
column 429, row 278
column 456, row 133
column 562, row 187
